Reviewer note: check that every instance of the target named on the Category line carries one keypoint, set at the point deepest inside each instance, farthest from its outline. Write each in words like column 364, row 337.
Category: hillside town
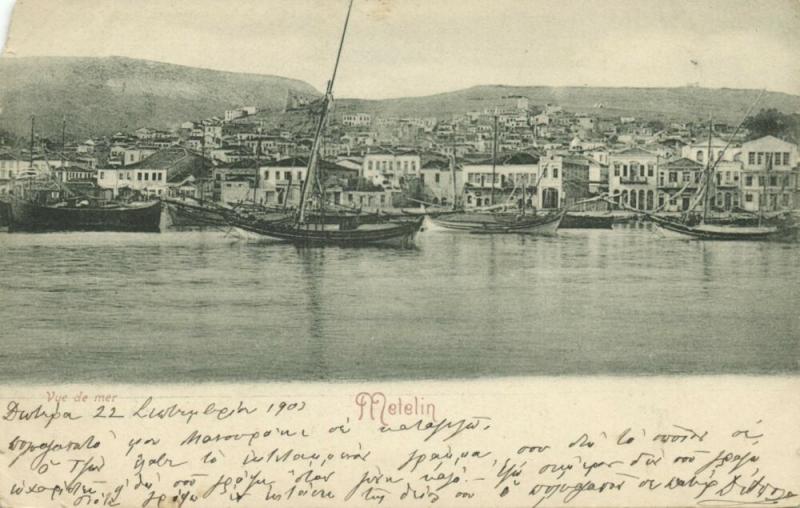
column 505, row 153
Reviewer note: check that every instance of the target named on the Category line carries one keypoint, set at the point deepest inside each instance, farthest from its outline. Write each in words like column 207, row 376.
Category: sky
column 397, row 48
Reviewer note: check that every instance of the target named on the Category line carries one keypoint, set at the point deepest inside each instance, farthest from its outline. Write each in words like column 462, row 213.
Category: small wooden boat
column 347, row 233
column 313, row 225
column 489, row 223
column 189, row 212
column 706, row 231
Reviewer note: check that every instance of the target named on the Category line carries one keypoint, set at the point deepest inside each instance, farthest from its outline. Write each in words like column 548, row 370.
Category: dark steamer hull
column 32, row 217
column 5, row 214
column 582, row 221
column 400, row 234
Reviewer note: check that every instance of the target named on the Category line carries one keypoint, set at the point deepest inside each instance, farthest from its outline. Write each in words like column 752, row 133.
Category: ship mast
column 30, row 161
column 709, row 170
column 63, row 144
column 258, row 164
column 327, row 100
column 494, row 159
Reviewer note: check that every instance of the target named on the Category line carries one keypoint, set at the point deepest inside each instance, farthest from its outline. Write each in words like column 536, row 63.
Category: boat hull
column 33, row 217
column 545, row 225
column 5, row 213
column 394, row 234
column 184, row 214
column 587, row 221
column 674, row 229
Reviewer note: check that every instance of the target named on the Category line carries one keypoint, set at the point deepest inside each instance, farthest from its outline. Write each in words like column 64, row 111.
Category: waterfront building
column 678, row 182
column 436, row 179
column 632, row 177
column 512, row 172
column 769, row 174
column 698, row 151
column 389, row 169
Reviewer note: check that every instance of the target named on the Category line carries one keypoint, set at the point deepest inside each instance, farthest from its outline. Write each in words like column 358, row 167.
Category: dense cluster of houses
column 545, row 157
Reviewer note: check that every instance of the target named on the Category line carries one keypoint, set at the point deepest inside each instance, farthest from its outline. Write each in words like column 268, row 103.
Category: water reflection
column 196, row 306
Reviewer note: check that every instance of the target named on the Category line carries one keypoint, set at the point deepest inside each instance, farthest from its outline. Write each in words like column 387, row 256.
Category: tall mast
column 258, row 166
column 709, row 170
column 494, row 158
column 453, row 178
column 33, row 123
column 203, row 165
column 326, row 103
column 63, row 144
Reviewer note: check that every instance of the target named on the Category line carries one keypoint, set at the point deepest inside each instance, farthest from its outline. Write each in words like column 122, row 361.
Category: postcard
column 399, row 253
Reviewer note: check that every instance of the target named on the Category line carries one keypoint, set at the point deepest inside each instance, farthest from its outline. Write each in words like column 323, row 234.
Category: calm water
column 194, row 306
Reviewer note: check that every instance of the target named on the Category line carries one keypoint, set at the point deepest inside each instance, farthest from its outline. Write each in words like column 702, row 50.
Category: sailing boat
column 310, row 226
column 488, row 222
column 705, row 229
column 49, row 205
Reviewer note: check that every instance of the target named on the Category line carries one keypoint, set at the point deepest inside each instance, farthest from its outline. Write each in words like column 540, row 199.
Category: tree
column 771, row 122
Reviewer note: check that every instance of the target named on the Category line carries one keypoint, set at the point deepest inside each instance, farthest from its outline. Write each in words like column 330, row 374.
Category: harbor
column 200, row 306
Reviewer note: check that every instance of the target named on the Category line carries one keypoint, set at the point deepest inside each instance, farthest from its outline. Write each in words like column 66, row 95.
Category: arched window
column 700, row 156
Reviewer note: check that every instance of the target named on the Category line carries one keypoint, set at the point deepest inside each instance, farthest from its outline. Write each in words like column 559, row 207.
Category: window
column 773, row 180
column 673, row 176
column 748, row 181
column 785, row 158
column 160, row 176
column 760, row 158
column 748, row 197
column 369, row 165
column 555, row 172
column 146, row 176
column 661, row 178
column 102, row 175
column 287, row 175
column 544, row 173
column 751, row 157
column 139, row 175
column 413, row 165
column 624, row 171
column 700, row 156
column 437, row 177
column 616, row 169
column 650, row 170
column 383, row 199
column 421, row 178
column 266, row 175
column 405, row 166
column 687, row 176
column 760, row 181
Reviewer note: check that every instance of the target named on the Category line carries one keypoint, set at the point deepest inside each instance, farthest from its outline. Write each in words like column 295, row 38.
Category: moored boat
column 311, row 225
column 704, row 226
column 488, row 223
column 587, row 220
column 28, row 215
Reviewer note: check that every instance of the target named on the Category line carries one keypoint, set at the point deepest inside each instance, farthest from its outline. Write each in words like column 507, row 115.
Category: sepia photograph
column 335, row 193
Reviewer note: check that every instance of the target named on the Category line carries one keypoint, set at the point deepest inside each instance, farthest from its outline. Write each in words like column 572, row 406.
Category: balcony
column 633, row 180
column 679, row 185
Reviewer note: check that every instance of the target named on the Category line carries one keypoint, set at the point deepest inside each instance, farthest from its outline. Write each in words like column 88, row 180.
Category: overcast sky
column 416, row 47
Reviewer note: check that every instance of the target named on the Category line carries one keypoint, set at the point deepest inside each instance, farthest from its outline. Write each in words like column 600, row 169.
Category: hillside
column 680, row 104
column 104, row 95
